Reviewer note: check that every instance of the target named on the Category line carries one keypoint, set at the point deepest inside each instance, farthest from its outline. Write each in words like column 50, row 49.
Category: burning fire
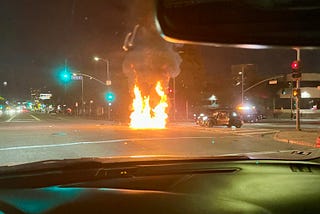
column 143, row 116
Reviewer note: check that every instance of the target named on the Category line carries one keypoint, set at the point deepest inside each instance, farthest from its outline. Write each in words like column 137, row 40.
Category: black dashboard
column 168, row 187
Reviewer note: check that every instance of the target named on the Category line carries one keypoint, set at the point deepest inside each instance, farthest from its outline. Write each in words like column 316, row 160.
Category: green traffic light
column 65, row 76
column 110, row 97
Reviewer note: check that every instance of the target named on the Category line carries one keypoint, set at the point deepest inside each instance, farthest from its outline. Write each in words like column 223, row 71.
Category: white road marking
column 11, row 118
column 22, row 121
column 95, row 142
column 34, row 117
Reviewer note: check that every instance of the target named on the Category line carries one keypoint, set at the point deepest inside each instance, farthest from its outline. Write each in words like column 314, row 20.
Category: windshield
column 82, row 78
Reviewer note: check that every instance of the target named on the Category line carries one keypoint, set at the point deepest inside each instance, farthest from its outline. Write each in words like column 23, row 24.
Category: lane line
column 21, row 121
column 34, row 117
column 11, row 118
column 96, row 142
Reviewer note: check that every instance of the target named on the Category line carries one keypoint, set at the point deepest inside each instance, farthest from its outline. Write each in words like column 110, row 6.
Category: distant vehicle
column 249, row 113
column 251, row 118
column 220, row 117
column 225, row 118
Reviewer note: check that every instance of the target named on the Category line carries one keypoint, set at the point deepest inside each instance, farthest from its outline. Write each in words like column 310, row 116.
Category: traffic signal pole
column 242, row 84
column 174, row 99
column 298, row 128
column 82, row 101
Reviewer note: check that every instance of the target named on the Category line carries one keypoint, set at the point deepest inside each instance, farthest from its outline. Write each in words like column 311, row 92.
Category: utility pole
column 291, row 101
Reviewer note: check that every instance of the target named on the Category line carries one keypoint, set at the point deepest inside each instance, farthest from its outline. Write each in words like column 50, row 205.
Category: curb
column 285, row 140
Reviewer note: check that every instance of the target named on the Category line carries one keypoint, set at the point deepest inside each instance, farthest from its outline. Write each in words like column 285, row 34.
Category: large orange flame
column 143, row 116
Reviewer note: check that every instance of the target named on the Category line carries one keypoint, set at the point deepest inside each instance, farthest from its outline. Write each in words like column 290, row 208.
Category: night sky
column 38, row 36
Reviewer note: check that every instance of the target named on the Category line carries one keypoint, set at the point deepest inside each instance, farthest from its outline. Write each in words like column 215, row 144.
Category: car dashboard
column 246, row 186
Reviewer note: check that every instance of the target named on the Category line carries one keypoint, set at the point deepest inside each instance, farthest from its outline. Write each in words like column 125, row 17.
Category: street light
column 242, row 73
column 108, row 82
column 5, row 83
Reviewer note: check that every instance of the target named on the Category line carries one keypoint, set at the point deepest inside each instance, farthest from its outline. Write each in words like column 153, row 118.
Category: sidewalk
column 304, row 137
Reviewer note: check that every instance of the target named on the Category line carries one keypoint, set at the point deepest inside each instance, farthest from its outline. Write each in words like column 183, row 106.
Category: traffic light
column 296, row 92
column 295, row 65
column 296, row 69
column 65, row 76
column 170, row 92
column 110, row 97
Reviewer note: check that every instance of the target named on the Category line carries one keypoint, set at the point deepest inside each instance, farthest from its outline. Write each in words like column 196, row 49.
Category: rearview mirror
column 241, row 23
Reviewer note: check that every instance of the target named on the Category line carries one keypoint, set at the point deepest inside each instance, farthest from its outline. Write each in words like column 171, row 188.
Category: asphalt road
column 29, row 137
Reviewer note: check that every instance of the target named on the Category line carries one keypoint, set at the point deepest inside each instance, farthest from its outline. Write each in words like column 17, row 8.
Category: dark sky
column 36, row 36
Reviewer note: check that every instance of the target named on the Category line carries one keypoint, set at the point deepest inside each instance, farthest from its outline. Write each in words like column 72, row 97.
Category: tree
column 191, row 81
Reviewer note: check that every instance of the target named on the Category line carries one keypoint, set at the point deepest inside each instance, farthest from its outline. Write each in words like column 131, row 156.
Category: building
column 310, row 95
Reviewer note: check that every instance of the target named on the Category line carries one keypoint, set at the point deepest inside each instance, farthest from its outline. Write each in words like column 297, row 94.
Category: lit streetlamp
column 108, row 82
column 242, row 73
column 5, row 84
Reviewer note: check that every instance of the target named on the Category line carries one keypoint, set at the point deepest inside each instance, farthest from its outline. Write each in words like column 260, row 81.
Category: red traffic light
column 295, row 65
